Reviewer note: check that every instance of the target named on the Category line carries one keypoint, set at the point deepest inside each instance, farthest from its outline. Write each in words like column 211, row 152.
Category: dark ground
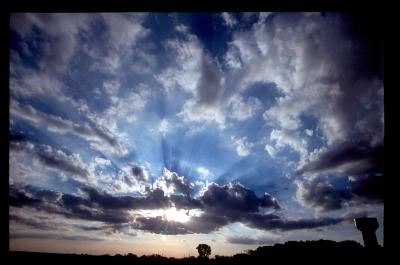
column 308, row 252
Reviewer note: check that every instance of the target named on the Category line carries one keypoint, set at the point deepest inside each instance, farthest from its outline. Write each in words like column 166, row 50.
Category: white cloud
column 309, row 132
column 124, row 107
column 292, row 139
column 102, row 161
column 123, row 33
column 229, row 20
column 243, row 147
column 242, row 109
column 270, row 149
column 193, row 112
column 163, row 128
column 185, row 74
column 203, row 171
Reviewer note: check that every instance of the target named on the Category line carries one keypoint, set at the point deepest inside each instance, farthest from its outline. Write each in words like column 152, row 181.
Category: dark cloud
column 179, row 184
column 185, row 202
column 58, row 160
column 139, row 173
column 369, row 187
column 220, row 206
column 270, row 221
column 362, row 157
column 320, row 192
column 80, row 208
column 36, row 224
column 19, row 198
column 53, row 236
column 235, row 197
column 361, row 163
column 242, row 240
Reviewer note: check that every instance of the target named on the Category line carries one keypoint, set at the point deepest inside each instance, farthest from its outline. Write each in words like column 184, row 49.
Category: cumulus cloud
column 172, row 183
column 291, row 51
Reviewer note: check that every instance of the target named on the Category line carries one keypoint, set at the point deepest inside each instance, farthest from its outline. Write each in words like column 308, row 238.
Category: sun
column 174, row 215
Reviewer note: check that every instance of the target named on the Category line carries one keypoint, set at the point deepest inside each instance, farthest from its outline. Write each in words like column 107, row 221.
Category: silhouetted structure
column 368, row 226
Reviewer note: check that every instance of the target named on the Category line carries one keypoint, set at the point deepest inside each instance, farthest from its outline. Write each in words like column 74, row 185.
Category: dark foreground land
column 309, row 252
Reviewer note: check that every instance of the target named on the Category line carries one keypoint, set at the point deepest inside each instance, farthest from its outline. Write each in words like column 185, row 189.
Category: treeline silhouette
column 310, row 252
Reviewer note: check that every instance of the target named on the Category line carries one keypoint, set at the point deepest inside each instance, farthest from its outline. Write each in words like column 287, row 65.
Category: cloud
column 175, row 184
column 219, row 206
column 56, row 124
column 235, row 197
column 243, row 240
column 140, row 173
column 163, row 128
column 229, row 20
column 28, row 83
column 316, row 63
column 270, row 222
column 347, row 157
column 368, row 187
column 122, row 33
column 31, row 222
column 362, row 165
column 271, row 150
column 319, row 192
column 184, row 71
column 55, row 159
column 243, row 147
column 60, row 33
column 242, row 109
column 283, row 138
column 16, row 235
column 203, row 171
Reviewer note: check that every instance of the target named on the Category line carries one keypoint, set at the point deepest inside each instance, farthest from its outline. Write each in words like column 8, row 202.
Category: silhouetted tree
column 204, row 250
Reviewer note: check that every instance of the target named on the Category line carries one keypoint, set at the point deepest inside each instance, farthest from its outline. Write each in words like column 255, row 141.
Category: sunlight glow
column 171, row 214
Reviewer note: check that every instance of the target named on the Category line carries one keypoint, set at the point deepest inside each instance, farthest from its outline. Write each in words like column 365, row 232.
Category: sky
column 150, row 133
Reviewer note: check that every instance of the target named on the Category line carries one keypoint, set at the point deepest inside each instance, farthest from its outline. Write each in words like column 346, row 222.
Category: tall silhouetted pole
column 368, row 226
